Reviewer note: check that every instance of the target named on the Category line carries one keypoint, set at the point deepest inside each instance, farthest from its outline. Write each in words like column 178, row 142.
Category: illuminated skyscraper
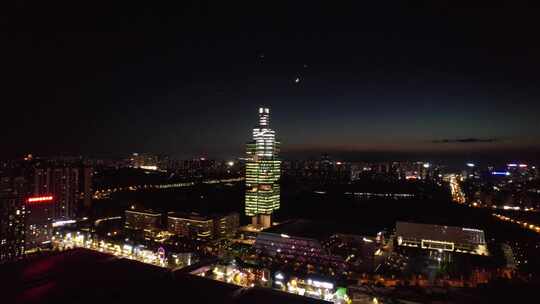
column 263, row 170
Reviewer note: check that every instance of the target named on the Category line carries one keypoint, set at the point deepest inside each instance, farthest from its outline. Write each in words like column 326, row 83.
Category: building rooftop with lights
column 300, row 241
column 202, row 227
column 146, row 220
column 441, row 238
column 263, row 171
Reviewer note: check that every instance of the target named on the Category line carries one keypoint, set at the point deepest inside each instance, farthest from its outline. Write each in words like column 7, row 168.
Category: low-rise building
column 190, row 225
column 441, row 238
column 196, row 226
column 298, row 241
column 147, row 221
column 226, row 226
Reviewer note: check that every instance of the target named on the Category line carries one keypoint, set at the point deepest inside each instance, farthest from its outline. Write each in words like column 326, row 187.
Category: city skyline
column 162, row 80
column 305, row 152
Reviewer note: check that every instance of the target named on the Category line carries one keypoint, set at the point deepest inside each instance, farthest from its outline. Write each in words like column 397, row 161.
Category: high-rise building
column 85, row 187
column 36, row 193
column 40, row 211
column 144, row 161
column 12, row 221
column 26, row 211
column 263, row 171
column 63, row 183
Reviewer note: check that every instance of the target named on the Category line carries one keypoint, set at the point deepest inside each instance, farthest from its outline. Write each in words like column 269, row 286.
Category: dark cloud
column 470, row 140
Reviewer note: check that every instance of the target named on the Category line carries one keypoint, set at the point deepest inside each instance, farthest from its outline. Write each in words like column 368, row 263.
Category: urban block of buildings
column 34, row 195
column 190, row 225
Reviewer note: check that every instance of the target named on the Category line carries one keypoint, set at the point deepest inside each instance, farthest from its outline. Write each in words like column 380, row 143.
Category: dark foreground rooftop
column 84, row 276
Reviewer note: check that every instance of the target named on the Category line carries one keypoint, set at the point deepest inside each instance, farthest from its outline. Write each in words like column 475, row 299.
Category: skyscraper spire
column 264, row 117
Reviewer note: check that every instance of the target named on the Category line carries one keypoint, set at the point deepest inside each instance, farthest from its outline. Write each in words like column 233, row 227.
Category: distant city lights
column 63, row 223
column 318, row 284
column 470, row 165
column 505, row 173
column 153, row 168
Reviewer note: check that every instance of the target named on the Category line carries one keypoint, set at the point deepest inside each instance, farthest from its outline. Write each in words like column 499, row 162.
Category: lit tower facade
column 263, row 171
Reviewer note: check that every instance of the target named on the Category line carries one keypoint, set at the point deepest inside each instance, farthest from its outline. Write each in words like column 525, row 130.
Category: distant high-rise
column 63, row 183
column 40, row 212
column 33, row 194
column 263, row 170
column 12, row 220
column 85, row 187
column 144, row 161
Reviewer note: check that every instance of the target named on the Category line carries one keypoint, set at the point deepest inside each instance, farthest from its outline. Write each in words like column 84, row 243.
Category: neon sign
column 40, row 199
column 161, row 253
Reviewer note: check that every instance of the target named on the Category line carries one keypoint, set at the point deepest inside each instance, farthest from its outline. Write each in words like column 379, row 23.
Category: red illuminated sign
column 40, row 199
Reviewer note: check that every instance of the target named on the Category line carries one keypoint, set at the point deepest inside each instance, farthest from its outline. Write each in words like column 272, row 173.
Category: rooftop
column 302, row 228
column 144, row 212
column 250, row 228
column 85, row 276
column 197, row 216
column 191, row 216
column 440, row 233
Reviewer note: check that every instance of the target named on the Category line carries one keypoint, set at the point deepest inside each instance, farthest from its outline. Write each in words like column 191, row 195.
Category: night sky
column 374, row 80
